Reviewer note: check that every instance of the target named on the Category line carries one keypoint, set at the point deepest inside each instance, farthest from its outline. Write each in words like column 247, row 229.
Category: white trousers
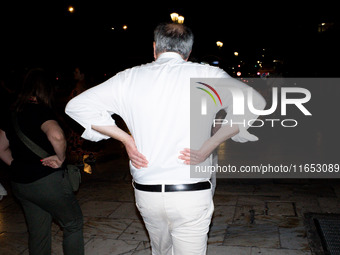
column 177, row 222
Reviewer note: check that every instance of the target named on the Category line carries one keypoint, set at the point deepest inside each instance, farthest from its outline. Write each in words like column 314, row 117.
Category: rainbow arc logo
column 204, row 100
column 209, row 93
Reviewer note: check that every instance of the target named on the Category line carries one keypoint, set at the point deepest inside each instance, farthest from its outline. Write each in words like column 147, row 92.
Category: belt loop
column 163, row 188
column 133, row 184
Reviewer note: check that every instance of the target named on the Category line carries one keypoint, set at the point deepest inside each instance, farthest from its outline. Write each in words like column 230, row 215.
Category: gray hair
column 173, row 37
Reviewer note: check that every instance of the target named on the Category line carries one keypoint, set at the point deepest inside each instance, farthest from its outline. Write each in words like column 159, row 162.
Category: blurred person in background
column 39, row 184
column 80, row 151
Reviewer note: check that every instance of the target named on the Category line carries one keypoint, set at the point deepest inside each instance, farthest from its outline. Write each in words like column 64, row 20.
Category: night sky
column 45, row 34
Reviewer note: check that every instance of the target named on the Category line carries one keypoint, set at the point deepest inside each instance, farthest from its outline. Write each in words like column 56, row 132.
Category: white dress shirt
column 154, row 101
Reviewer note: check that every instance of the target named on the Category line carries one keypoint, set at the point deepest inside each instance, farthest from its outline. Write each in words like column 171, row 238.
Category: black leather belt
column 173, row 187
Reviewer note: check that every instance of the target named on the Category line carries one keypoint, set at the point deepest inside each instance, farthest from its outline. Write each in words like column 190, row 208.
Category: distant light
column 71, row 9
column 238, row 73
column 258, row 73
column 238, row 65
column 236, row 53
column 180, row 20
column 125, row 27
column 324, row 26
column 219, row 44
column 177, row 18
column 112, row 28
column 216, row 62
column 174, row 16
column 57, row 78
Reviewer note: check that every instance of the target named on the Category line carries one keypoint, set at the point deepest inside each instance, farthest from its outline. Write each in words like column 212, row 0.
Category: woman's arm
column 5, row 152
column 56, row 137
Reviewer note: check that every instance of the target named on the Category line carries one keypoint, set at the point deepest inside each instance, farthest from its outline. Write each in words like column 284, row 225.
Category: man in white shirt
column 154, row 101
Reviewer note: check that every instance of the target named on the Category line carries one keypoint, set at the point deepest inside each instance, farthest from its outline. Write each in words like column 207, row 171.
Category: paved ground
column 251, row 217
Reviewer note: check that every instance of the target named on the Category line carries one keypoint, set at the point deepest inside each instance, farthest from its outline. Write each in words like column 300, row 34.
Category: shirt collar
column 172, row 55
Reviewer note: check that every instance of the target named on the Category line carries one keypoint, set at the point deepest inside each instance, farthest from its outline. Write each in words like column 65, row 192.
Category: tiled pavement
column 263, row 217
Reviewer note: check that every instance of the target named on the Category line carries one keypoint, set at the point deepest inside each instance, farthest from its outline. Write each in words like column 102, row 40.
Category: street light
column 125, row 27
column 177, row 18
column 180, row 20
column 174, row 16
column 71, row 9
column 236, row 53
column 219, row 44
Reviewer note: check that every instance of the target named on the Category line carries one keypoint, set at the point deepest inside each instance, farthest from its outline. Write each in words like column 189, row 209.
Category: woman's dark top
column 26, row 166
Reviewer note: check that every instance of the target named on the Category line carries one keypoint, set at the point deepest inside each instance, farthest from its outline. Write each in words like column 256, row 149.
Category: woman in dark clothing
column 39, row 184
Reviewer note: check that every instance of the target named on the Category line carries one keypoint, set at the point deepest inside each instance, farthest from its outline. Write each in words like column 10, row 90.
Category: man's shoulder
column 203, row 68
column 209, row 70
column 136, row 68
column 201, row 65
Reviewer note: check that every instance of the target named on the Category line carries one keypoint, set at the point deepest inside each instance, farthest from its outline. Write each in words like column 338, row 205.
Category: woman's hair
column 173, row 37
column 38, row 84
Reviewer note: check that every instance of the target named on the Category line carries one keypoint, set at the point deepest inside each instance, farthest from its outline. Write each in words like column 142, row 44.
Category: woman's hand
column 193, row 157
column 52, row 161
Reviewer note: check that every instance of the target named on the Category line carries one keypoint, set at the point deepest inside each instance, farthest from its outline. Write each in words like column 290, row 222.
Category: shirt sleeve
column 236, row 97
column 95, row 107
